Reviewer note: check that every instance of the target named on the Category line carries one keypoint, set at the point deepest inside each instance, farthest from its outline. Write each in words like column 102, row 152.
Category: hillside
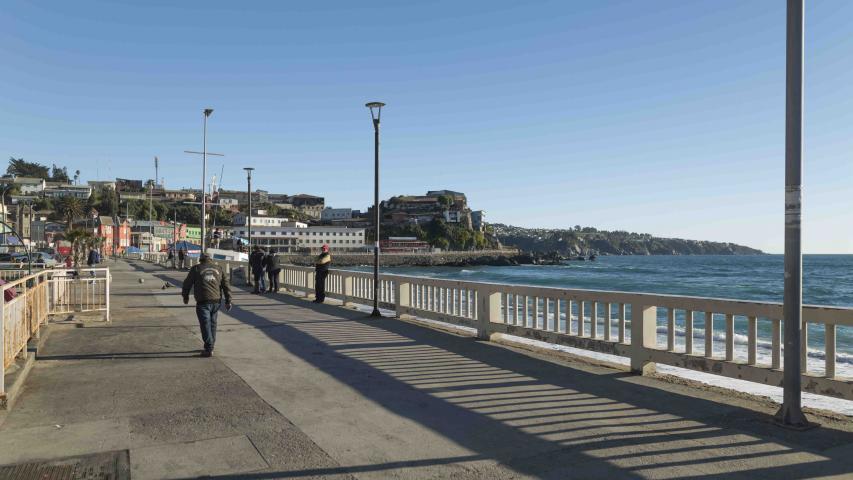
column 577, row 241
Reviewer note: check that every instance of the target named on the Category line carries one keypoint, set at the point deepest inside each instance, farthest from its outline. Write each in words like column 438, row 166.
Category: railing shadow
column 538, row 417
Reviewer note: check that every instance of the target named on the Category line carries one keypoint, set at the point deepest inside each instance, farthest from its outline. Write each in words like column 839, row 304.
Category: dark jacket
column 94, row 258
column 256, row 261
column 324, row 260
column 208, row 283
column 272, row 262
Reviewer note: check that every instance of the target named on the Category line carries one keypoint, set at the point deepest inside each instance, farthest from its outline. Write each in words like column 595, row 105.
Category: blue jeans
column 260, row 285
column 206, row 313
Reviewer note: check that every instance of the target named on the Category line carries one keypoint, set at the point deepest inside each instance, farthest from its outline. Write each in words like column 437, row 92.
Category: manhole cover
column 99, row 466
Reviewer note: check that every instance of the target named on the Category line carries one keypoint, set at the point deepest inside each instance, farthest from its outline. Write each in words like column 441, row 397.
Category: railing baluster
column 535, row 322
column 730, row 337
column 546, row 309
column 526, row 311
column 709, row 334
column 607, row 320
column 776, row 344
column 621, row 327
column 557, row 315
column 688, row 332
column 670, row 329
column 830, row 350
column 752, row 340
column 581, row 315
column 593, row 319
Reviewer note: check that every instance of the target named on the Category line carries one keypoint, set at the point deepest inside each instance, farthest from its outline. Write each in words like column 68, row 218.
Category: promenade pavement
column 298, row 390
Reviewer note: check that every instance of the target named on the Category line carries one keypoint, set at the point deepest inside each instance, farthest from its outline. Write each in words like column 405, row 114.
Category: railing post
column 247, row 275
column 402, row 290
column 346, row 280
column 309, row 282
column 107, row 281
column 643, row 336
column 3, row 344
column 489, row 311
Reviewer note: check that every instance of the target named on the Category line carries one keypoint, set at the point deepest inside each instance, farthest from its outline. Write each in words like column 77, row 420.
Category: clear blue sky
column 659, row 116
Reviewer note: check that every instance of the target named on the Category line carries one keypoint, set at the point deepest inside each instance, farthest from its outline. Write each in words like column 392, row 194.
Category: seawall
column 490, row 257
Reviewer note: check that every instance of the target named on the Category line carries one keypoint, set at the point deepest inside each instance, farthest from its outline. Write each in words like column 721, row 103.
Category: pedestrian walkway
column 298, row 390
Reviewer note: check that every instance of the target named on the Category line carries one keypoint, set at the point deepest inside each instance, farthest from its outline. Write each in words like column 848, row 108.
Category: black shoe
column 206, row 353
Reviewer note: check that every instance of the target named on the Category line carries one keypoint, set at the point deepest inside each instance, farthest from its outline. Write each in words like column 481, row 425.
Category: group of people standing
column 261, row 263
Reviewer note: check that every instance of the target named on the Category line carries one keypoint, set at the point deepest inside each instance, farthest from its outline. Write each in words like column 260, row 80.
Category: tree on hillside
column 70, row 208
column 58, row 174
column 23, row 168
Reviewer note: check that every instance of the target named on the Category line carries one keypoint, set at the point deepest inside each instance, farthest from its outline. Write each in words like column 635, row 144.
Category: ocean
column 827, row 280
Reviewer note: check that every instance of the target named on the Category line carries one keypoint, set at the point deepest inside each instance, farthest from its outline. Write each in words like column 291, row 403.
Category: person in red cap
column 321, row 270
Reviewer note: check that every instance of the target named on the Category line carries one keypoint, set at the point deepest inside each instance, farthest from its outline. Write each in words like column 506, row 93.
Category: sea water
column 827, row 280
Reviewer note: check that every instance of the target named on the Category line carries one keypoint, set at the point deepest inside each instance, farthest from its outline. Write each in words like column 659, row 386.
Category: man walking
column 209, row 284
column 273, row 265
column 321, row 270
column 256, row 262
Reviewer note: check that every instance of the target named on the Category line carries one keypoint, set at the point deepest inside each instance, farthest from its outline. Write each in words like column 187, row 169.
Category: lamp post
column 791, row 413
column 375, row 114
column 249, row 193
column 207, row 112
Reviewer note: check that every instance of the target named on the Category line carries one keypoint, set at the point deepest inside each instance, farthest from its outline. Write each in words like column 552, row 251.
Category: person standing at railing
column 321, row 270
column 93, row 259
column 209, row 285
column 9, row 294
column 182, row 258
column 256, row 261
column 273, row 265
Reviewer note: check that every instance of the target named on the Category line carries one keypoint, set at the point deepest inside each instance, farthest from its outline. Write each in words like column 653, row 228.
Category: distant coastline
column 577, row 241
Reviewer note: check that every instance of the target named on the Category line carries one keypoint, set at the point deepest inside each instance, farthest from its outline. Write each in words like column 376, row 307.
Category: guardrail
column 618, row 323
column 41, row 294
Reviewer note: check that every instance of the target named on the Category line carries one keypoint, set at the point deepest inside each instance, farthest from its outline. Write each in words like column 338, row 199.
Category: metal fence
column 45, row 293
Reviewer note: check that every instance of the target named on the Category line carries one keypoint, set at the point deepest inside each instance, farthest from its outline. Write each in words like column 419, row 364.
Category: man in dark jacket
column 273, row 265
column 209, row 284
column 256, row 262
column 321, row 270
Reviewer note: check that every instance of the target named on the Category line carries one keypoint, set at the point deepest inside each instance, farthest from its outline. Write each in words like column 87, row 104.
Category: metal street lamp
column 375, row 114
column 207, row 112
column 791, row 413
column 249, row 192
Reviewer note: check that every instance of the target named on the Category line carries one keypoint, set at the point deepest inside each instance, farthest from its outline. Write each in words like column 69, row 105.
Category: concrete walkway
column 298, row 390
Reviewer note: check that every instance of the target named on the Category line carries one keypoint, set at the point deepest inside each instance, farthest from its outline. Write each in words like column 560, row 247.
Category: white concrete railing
column 619, row 323
column 39, row 295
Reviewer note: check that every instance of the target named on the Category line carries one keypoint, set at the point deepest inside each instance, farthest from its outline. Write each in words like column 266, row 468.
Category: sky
column 661, row 116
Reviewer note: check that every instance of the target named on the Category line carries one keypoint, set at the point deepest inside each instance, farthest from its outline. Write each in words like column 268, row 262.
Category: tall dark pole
column 249, row 192
column 791, row 413
column 376, row 215
column 207, row 112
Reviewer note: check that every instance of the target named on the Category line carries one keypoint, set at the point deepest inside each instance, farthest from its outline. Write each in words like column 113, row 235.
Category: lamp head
column 377, row 113
column 207, row 112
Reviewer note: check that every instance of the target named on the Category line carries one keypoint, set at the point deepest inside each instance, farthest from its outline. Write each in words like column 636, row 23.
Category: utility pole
column 791, row 413
column 249, row 192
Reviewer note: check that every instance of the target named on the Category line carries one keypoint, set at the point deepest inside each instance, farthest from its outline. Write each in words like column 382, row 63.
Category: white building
column 293, row 236
column 79, row 191
column 228, row 202
column 260, row 220
column 330, row 213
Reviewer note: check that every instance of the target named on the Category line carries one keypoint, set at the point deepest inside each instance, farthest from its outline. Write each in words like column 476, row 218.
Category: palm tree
column 80, row 240
column 71, row 208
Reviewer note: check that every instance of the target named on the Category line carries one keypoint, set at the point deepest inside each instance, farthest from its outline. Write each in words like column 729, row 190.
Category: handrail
column 647, row 328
